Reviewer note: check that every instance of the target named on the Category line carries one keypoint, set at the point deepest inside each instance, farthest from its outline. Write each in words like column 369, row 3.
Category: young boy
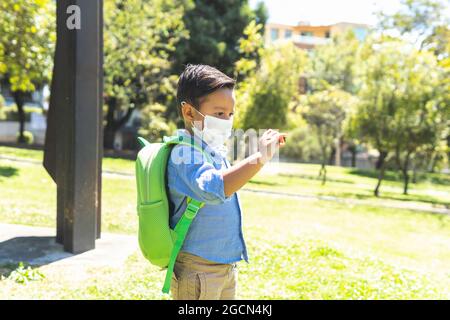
column 206, row 265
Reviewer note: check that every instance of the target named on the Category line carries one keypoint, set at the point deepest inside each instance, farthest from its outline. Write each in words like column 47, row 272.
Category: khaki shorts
column 195, row 278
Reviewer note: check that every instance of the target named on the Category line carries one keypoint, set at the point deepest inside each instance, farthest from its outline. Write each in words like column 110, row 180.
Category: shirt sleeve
column 190, row 174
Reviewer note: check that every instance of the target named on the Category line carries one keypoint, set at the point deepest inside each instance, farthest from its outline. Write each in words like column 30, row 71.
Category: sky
column 325, row 12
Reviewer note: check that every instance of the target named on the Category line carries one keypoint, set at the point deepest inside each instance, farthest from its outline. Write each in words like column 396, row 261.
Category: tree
column 27, row 40
column 139, row 41
column 373, row 121
column 418, row 20
column 422, row 118
column 214, row 30
column 251, row 48
column 335, row 64
column 325, row 113
column 272, row 88
column 399, row 103
column 426, row 24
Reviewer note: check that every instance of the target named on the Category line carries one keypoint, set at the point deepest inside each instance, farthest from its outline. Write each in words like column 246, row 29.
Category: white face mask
column 215, row 132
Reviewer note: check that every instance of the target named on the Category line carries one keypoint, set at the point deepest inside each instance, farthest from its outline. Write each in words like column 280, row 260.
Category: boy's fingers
column 280, row 141
column 274, row 133
column 267, row 133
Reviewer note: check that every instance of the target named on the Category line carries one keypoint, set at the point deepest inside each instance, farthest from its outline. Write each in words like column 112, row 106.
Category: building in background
column 306, row 36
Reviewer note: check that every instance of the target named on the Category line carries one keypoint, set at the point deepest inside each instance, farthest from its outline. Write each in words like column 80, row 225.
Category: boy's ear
column 186, row 111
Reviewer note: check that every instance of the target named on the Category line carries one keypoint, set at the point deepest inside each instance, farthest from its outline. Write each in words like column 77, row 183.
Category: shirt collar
column 214, row 154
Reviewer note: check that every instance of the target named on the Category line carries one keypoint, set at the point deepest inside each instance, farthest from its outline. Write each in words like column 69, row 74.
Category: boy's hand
column 240, row 173
column 269, row 143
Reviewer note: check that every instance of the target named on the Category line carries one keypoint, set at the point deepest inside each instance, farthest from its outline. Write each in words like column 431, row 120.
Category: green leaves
column 215, row 29
column 153, row 125
column 265, row 96
column 140, row 37
column 397, row 96
column 251, row 47
column 421, row 20
column 24, row 275
column 27, row 40
column 325, row 114
column 335, row 64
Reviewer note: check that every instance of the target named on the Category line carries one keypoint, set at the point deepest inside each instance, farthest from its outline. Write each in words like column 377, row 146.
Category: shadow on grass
column 7, row 171
column 408, row 198
column 264, row 183
column 434, row 178
column 315, row 177
column 388, row 175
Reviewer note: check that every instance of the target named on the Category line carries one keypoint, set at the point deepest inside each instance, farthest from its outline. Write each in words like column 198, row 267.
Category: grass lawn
column 431, row 189
column 299, row 249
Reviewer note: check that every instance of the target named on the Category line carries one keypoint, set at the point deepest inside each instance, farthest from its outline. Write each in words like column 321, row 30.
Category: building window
column 288, row 34
column 274, row 34
column 327, row 34
column 307, row 34
column 360, row 33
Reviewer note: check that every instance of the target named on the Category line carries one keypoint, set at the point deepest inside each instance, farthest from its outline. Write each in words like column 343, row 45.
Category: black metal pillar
column 73, row 146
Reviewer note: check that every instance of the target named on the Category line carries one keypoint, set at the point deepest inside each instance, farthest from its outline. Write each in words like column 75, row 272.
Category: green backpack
column 158, row 242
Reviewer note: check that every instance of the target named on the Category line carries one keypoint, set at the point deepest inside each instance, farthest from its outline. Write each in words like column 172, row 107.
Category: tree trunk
column 323, row 172
column 432, row 163
column 324, row 177
column 337, row 155
column 109, row 130
column 414, row 168
column 20, row 101
column 353, row 151
column 380, row 160
column 109, row 135
column 331, row 158
column 113, row 124
column 381, row 168
column 405, row 173
column 397, row 158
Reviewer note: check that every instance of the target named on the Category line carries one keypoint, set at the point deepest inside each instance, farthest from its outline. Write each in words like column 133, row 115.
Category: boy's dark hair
column 199, row 80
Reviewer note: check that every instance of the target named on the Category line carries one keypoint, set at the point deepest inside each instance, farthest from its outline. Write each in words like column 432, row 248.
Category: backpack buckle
column 191, row 210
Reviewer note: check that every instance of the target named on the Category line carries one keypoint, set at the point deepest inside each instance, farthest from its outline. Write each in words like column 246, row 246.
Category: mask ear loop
column 192, row 122
column 184, row 102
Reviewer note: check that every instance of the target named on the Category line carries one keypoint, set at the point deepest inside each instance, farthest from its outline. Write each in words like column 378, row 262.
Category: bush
column 24, row 274
column 11, row 114
column 301, row 145
column 153, row 125
column 29, row 139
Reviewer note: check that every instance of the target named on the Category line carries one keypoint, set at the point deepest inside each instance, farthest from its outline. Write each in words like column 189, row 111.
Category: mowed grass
column 299, row 249
column 432, row 190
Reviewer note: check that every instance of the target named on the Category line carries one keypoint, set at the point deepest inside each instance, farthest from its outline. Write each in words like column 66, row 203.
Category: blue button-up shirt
column 215, row 233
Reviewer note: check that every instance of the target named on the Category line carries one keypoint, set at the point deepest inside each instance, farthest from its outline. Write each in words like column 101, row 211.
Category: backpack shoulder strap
column 173, row 140
column 181, row 229
column 193, row 206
